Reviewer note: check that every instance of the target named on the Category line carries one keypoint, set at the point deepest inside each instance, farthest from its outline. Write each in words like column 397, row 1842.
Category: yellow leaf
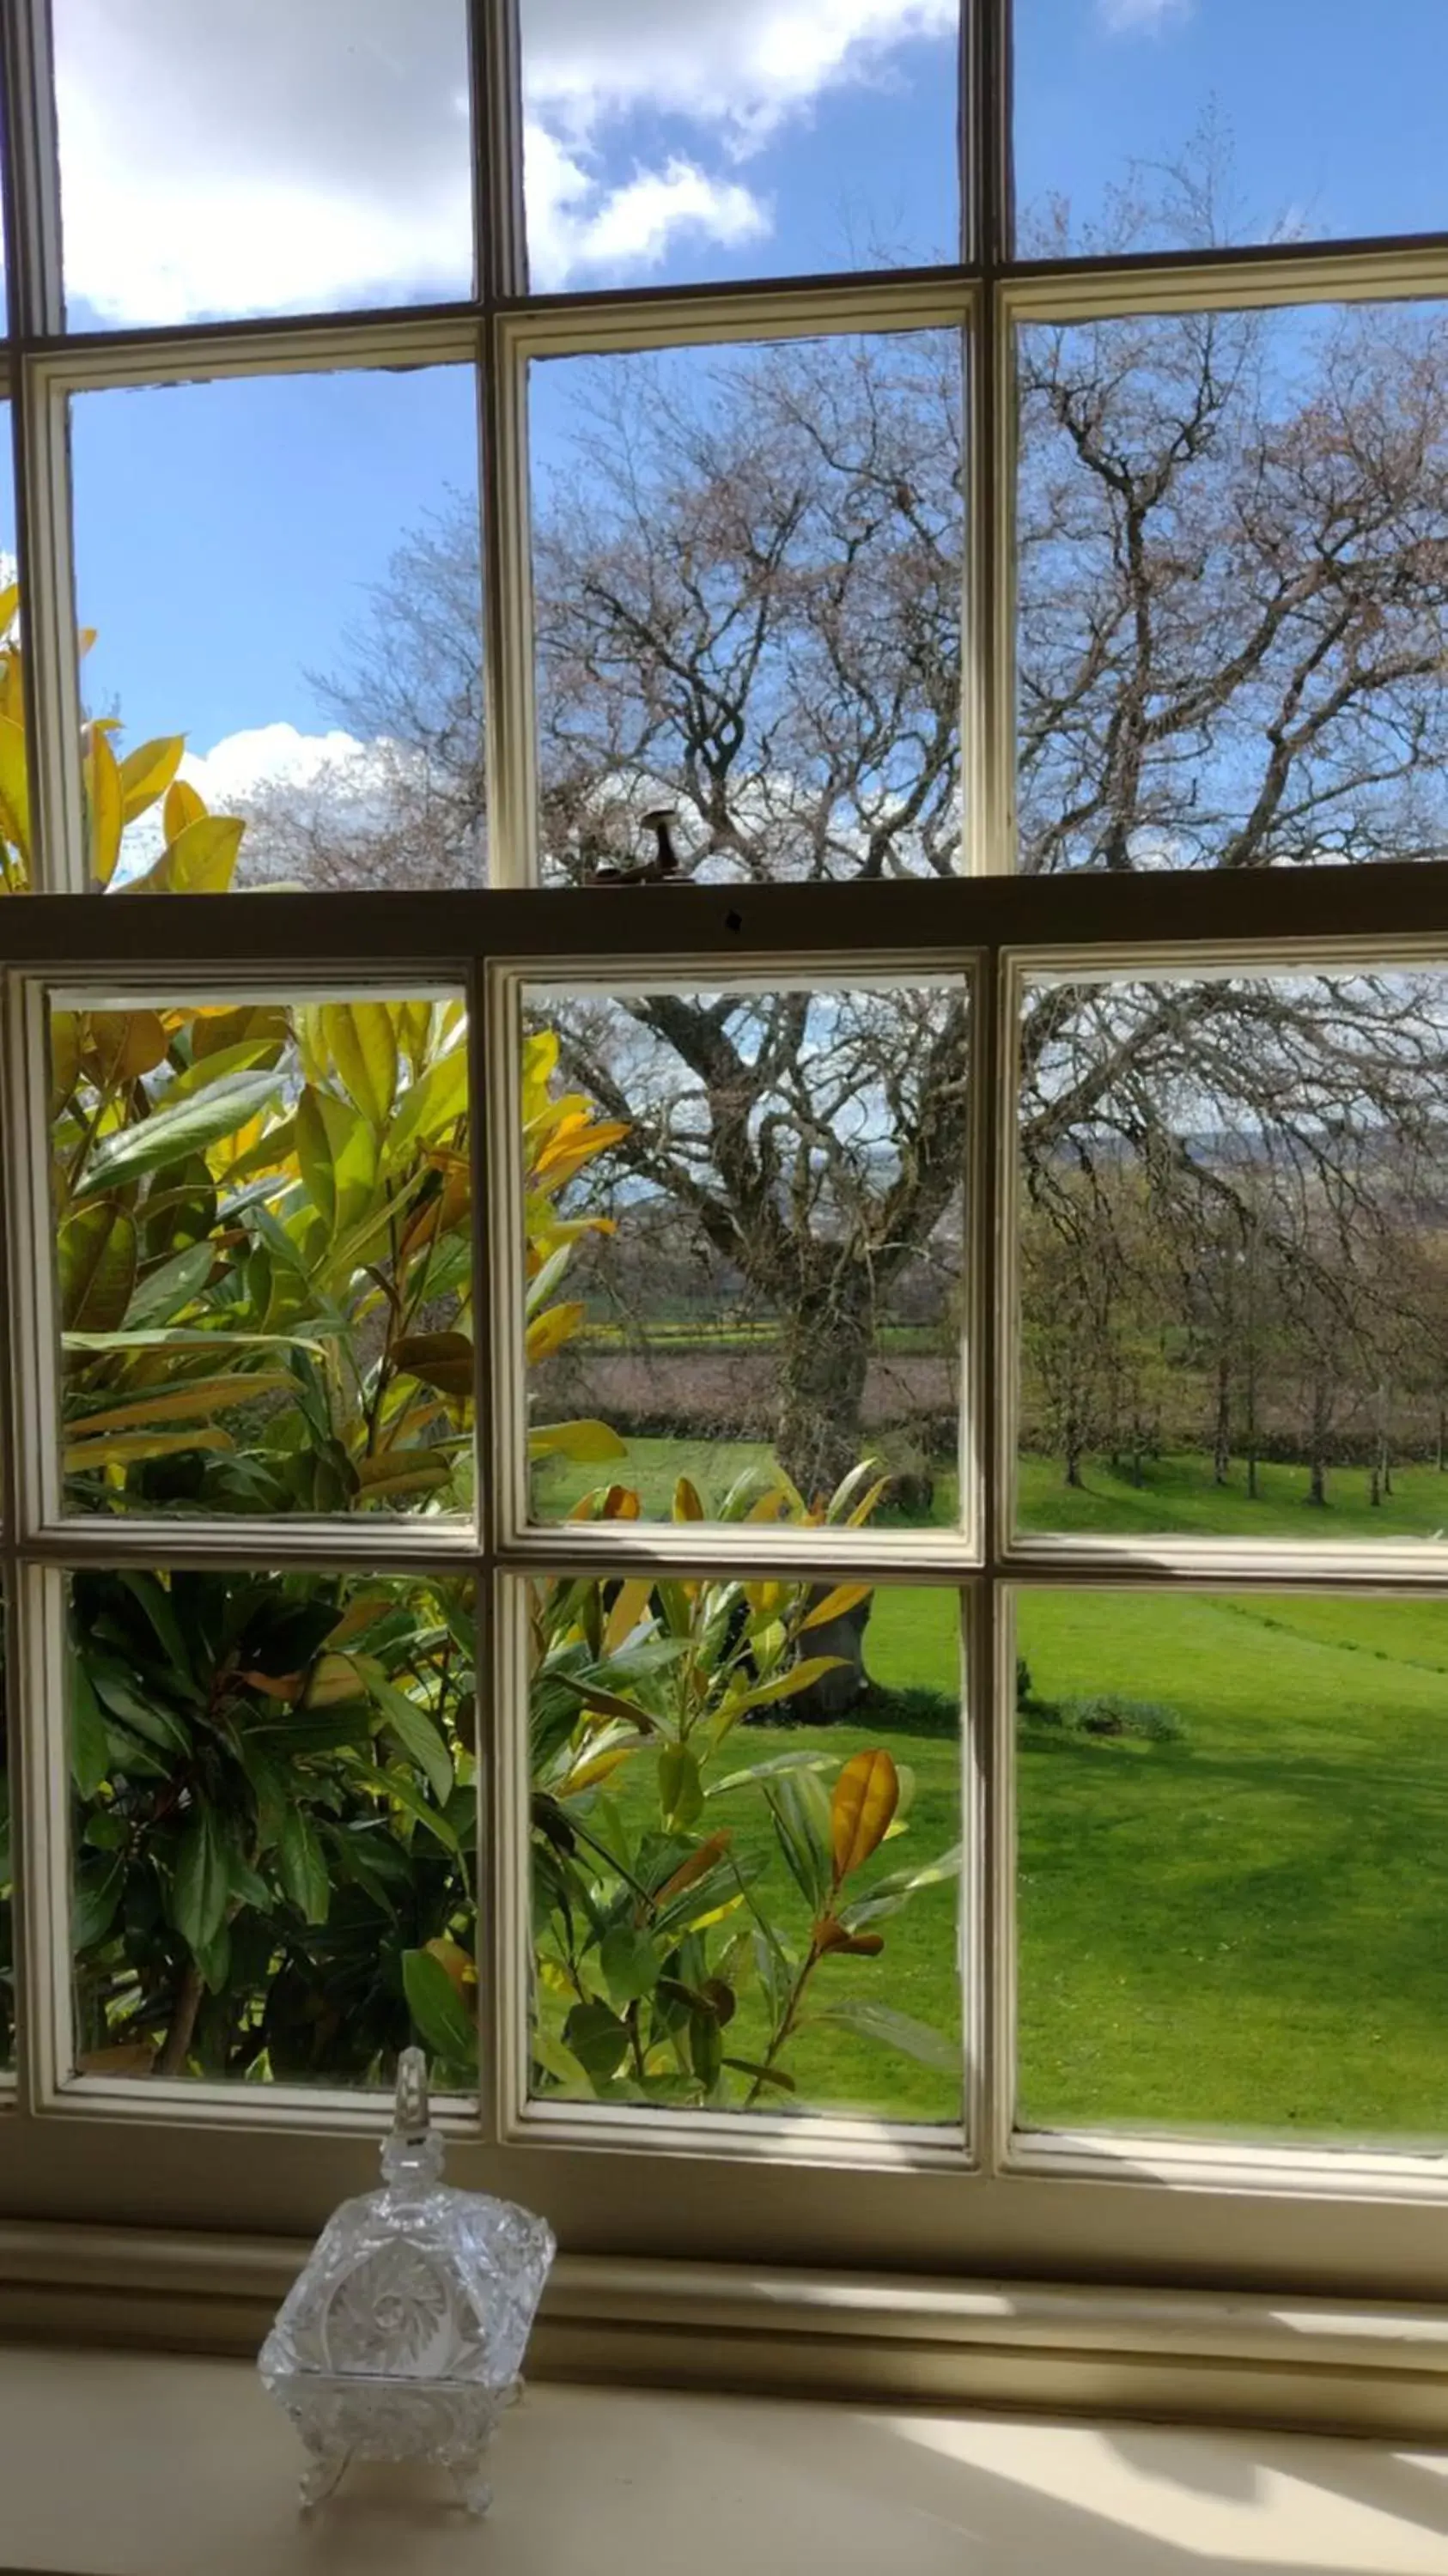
column 362, row 1043
column 247, row 1024
column 105, row 799
column 831, row 1935
column 125, row 1044
column 550, row 1330
column 12, row 684
column 866, row 1795
column 200, row 860
column 118, row 1448
column 630, row 1608
column 443, row 1360
column 204, row 1395
column 147, row 772
column 764, row 1599
column 64, row 1058
column 862, row 1510
column 14, row 787
column 9, row 602
column 182, row 806
column 96, row 1267
column 576, row 1440
column 338, row 1678
column 845, row 1596
column 701, row 1859
column 456, row 1962
column 403, row 1471
column 687, row 1506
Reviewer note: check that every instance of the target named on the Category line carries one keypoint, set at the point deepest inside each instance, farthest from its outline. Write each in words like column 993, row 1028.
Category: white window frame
column 627, row 2185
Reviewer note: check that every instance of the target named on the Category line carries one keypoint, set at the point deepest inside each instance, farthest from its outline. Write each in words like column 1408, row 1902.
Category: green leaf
column 202, row 1881
column 401, row 1786
column 439, row 2014
column 630, row 1964
column 186, row 1129
column 777, row 1765
column 431, row 1107
column 337, row 1152
column 89, row 1746
column 418, row 1735
column 681, row 1791
column 800, row 1806
column 118, row 1691
column 301, row 1866
column 599, row 2041
column 888, row 1894
column 894, row 2030
column 175, row 1284
column 554, row 2059
column 214, row 1959
column 95, row 1895
column 96, row 1256
column 784, row 1685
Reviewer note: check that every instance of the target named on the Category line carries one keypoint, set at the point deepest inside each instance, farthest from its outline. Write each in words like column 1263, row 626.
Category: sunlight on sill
column 1216, row 2498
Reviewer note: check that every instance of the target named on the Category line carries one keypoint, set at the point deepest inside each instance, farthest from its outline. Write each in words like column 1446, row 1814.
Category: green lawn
column 1247, row 1928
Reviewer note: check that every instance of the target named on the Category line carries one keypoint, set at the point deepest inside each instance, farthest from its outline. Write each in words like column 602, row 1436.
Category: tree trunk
column 1074, row 1443
column 1442, row 1459
column 824, row 1360
column 1317, row 1447
column 1222, row 1424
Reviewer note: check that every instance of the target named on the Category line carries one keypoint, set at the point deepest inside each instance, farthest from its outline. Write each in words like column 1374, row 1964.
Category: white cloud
column 575, row 224
column 276, row 755
column 292, row 154
column 1141, row 17
column 736, row 64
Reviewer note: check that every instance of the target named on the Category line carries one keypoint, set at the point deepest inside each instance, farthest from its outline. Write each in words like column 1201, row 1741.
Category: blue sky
column 226, row 534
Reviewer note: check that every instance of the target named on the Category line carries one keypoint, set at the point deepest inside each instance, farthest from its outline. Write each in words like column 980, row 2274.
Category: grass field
column 1246, row 1928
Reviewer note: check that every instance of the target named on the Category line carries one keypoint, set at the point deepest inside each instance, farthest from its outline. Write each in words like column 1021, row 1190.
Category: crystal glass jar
column 403, row 2338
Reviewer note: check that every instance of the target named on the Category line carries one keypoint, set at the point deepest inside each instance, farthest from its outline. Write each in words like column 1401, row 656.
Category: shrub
column 1110, row 1713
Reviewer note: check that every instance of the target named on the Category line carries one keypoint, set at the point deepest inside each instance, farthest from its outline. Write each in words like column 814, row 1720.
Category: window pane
column 746, row 1898
column 668, row 144
column 290, row 156
column 264, row 1265
column 747, row 571
column 1233, row 589
column 283, row 571
column 1232, row 1256
column 745, row 1224
column 7, row 1885
column 1154, row 125
column 273, row 1816
column 1232, row 1908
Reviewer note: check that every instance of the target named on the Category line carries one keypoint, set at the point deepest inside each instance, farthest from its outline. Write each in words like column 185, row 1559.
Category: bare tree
column 1233, row 628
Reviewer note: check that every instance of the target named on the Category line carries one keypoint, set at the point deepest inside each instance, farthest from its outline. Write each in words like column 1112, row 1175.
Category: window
column 726, row 1372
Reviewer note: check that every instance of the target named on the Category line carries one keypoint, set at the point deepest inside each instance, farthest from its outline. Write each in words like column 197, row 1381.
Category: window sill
column 1313, row 2364
column 187, row 2466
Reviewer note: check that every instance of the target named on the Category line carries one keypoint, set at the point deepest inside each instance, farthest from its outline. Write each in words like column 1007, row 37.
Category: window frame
column 826, row 2193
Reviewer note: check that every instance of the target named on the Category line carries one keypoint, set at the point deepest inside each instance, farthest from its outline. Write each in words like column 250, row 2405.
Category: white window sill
column 147, row 2465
